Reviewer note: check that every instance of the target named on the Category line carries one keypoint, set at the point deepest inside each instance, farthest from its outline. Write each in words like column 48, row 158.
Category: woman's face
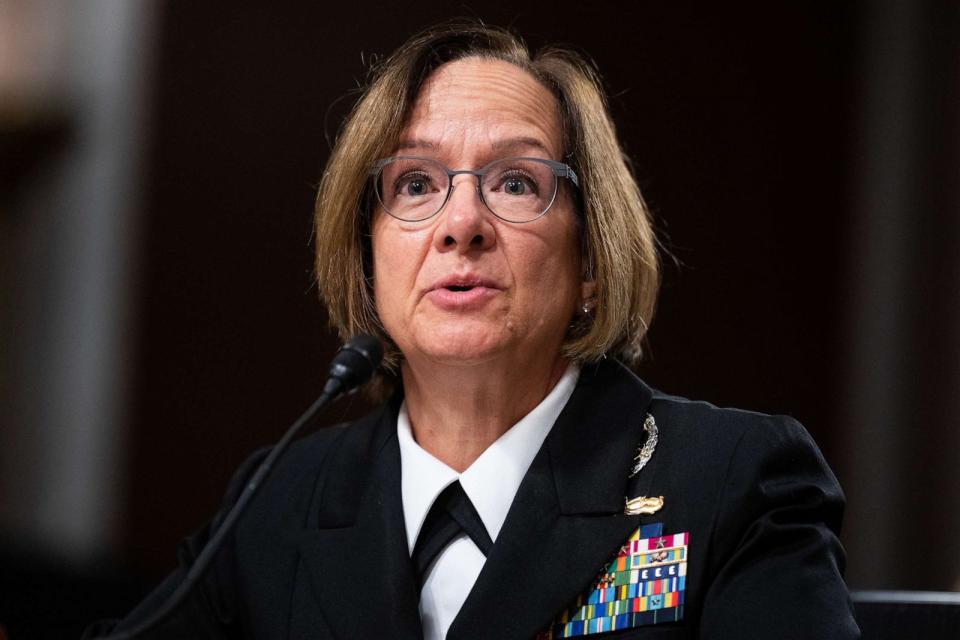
column 465, row 287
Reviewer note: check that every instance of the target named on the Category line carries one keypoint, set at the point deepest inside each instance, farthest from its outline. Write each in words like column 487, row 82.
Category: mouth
column 462, row 292
column 460, row 284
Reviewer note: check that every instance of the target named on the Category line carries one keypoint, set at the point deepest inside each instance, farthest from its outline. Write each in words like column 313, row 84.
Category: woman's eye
column 412, row 185
column 416, row 187
column 514, row 187
column 517, row 184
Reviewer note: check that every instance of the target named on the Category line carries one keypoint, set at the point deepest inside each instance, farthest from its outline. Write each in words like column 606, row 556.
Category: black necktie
column 452, row 513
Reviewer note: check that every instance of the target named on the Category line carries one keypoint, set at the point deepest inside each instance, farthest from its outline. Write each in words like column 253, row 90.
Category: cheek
column 559, row 267
column 384, row 268
column 396, row 261
column 548, row 275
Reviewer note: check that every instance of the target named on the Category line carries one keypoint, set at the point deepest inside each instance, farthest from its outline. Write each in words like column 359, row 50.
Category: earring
column 587, row 306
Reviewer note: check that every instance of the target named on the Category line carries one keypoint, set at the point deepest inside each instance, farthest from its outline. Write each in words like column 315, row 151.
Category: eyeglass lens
column 514, row 189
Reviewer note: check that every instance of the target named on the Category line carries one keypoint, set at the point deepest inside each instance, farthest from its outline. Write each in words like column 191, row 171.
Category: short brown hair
column 617, row 238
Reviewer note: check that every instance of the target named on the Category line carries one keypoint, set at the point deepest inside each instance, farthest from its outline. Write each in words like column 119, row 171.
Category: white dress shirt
column 491, row 483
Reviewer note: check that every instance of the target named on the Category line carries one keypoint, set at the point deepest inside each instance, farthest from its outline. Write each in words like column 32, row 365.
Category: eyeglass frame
column 559, row 170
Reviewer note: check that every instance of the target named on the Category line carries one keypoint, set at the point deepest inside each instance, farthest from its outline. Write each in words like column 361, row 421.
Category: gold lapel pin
column 642, row 505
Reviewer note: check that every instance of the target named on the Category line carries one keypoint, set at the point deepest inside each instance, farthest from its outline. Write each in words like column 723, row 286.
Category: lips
column 462, row 292
column 458, row 283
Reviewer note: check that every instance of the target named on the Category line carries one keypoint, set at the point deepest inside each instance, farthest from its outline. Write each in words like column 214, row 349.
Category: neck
column 457, row 412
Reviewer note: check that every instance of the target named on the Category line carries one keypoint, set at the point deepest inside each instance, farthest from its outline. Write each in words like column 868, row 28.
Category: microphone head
column 354, row 364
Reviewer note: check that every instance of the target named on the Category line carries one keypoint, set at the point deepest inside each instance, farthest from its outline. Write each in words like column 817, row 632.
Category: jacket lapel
column 567, row 520
column 354, row 551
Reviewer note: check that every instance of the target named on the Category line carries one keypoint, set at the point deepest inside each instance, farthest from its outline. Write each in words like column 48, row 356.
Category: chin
column 464, row 344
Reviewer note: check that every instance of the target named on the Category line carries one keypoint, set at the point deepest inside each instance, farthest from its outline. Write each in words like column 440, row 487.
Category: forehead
column 479, row 106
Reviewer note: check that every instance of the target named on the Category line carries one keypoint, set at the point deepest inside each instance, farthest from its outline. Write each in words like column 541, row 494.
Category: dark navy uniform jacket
column 322, row 550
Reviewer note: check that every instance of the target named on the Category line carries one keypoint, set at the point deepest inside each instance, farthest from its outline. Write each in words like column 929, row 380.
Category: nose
column 465, row 224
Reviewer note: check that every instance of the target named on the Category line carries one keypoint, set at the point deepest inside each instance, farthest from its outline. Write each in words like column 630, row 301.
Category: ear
column 588, row 284
column 588, row 290
column 588, row 300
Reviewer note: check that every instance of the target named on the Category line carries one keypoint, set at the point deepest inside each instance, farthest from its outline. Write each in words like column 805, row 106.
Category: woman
column 478, row 216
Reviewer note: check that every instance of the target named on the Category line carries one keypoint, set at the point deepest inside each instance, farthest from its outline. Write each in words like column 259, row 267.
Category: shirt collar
column 491, row 482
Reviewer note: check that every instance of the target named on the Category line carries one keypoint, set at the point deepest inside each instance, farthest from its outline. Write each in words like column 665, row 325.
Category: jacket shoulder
column 698, row 419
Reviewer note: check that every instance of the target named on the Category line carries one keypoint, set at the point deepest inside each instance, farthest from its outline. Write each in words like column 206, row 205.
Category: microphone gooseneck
column 353, row 365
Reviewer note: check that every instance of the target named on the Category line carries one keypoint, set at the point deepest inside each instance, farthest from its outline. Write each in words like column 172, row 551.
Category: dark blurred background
column 158, row 320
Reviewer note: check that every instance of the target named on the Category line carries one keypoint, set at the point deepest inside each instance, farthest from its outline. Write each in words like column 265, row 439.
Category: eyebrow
column 521, row 141
column 499, row 145
column 416, row 143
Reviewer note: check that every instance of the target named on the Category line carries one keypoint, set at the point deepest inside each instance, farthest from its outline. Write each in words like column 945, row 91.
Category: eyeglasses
column 518, row 190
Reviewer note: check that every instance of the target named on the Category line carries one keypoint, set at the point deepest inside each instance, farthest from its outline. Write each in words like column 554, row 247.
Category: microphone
column 353, row 365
